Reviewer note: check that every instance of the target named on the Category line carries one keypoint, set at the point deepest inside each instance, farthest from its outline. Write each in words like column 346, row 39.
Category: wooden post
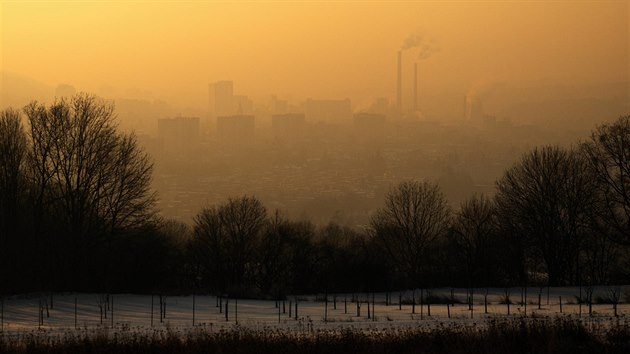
column 193, row 319
column 112, row 311
column 345, row 304
column 472, row 302
column 236, row 310
column 335, row 302
column 485, row 302
column 325, row 307
column 506, row 293
column 75, row 312
column 296, row 309
column 373, row 309
column 560, row 302
column 539, row 297
column 548, row 295
column 290, row 308
column 580, row 302
column 448, row 310
column 278, row 313
column 525, row 302
column 151, row 310
column 226, row 309
column 399, row 301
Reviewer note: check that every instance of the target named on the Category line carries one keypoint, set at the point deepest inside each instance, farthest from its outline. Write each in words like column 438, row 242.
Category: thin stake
column 75, row 312
column 485, row 302
column 373, row 314
column 326, row 307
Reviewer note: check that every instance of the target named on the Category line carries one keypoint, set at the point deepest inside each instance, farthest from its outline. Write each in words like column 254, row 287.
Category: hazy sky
column 309, row 49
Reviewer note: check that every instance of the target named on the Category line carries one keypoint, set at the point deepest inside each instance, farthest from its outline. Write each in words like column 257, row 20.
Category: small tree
column 472, row 236
column 414, row 217
column 226, row 240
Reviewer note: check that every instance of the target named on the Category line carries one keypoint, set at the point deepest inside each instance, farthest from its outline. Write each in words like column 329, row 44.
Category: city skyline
column 302, row 50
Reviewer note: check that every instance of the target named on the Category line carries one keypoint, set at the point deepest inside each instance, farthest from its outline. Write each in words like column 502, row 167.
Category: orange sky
column 171, row 50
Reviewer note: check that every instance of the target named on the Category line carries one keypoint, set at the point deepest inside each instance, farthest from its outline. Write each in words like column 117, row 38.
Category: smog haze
column 318, row 108
column 172, row 50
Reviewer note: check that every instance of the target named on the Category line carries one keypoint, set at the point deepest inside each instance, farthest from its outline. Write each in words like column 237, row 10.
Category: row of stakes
column 106, row 305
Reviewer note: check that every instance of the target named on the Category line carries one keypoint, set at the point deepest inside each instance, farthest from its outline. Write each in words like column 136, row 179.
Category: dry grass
column 543, row 335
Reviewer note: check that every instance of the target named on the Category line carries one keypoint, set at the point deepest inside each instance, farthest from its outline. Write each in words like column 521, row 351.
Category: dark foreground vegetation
column 502, row 336
column 77, row 214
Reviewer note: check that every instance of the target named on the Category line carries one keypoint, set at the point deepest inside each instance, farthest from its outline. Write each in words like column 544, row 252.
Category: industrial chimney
column 399, row 91
column 415, row 87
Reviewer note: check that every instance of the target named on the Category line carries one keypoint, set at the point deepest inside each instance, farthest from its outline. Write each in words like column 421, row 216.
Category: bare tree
column 472, row 236
column 231, row 233
column 209, row 249
column 414, row 217
column 546, row 200
column 13, row 154
column 608, row 154
column 92, row 179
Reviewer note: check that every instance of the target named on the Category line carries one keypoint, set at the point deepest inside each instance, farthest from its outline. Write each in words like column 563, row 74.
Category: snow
column 132, row 312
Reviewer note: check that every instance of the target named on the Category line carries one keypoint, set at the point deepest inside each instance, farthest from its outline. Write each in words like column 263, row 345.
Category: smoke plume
column 417, row 41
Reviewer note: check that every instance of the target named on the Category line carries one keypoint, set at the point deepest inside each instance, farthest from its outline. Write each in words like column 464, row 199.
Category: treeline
column 77, row 213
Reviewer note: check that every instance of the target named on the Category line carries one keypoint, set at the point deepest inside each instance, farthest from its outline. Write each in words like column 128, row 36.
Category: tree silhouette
column 92, row 180
column 546, row 201
column 472, row 236
column 228, row 235
column 13, row 156
column 608, row 153
column 414, row 217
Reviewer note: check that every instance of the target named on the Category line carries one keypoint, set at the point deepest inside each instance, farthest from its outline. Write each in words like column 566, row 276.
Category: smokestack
column 415, row 86
column 399, row 91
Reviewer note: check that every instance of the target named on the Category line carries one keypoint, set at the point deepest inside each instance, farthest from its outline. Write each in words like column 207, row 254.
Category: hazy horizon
column 171, row 51
column 494, row 80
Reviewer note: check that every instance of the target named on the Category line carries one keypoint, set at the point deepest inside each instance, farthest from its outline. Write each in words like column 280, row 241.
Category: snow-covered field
column 141, row 313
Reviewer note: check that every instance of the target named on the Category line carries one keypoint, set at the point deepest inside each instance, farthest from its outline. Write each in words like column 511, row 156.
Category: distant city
column 323, row 160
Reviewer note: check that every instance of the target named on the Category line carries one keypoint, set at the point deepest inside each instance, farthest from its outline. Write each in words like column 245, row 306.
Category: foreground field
column 47, row 313
column 543, row 320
